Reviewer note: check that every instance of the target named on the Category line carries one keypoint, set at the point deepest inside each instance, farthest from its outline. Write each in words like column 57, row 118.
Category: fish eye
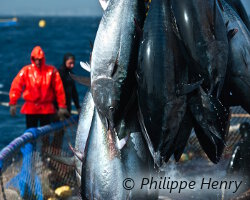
column 111, row 108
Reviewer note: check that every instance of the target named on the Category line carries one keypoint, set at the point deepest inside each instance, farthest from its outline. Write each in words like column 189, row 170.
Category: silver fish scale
column 102, row 169
column 115, row 28
column 86, row 116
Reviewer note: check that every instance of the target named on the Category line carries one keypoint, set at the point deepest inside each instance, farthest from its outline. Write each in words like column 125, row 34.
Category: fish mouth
column 109, row 125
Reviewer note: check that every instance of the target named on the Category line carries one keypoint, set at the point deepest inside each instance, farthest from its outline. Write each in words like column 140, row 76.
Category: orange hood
column 37, row 53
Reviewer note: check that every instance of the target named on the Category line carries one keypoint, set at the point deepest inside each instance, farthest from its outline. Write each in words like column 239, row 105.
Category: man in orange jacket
column 41, row 85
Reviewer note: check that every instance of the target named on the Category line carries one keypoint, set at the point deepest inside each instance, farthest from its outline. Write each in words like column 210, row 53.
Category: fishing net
column 30, row 170
column 238, row 117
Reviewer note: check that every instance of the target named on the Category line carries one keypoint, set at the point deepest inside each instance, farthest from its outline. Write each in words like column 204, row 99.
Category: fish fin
column 80, row 79
column 138, row 28
column 183, row 89
column 77, row 153
column 227, row 23
column 104, row 4
column 121, row 143
column 212, row 146
column 231, row 33
column 85, row 66
column 69, row 161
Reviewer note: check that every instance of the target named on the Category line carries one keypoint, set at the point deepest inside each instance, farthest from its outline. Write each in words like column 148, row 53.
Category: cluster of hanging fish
column 183, row 62
column 158, row 70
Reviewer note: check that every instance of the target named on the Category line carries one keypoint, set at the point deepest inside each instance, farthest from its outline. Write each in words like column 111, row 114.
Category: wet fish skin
column 211, row 123
column 83, row 130
column 239, row 8
column 114, row 58
column 99, row 165
column 103, row 164
column 160, row 70
column 106, row 166
column 239, row 63
column 210, row 120
column 135, row 155
column 200, row 26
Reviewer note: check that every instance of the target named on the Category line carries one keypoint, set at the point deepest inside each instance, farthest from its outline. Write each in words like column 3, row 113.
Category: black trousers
column 32, row 120
column 40, row 120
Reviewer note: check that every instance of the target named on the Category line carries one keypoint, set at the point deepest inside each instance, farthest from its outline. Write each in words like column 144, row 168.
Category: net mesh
column 238, row 116
column 29, row 169
column 32, row 172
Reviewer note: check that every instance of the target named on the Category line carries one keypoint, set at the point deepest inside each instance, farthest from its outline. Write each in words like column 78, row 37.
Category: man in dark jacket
column 70, row 93
column 68, row 82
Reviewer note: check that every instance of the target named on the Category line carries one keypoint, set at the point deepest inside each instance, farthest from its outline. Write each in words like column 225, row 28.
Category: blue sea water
column 59, row 36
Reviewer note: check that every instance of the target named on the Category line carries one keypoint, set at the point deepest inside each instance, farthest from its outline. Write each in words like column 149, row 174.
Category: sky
column 59, row 7
column 50, row 7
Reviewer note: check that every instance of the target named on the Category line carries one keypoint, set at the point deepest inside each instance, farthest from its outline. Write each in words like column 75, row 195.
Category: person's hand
column 13, row 110
column 63, row 113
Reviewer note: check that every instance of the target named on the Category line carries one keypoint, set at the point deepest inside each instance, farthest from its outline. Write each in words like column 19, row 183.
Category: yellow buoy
column 63, row 191
column 42, row 23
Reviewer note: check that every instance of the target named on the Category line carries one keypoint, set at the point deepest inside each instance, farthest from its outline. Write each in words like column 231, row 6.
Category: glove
column 13, row 110
column 63, row 113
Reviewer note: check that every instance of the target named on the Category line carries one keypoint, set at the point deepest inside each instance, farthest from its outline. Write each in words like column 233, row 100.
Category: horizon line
column 48, row 15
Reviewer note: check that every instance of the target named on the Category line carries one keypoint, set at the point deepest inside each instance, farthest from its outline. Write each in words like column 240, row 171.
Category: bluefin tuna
column 102, row 163
column 114, row 58
column 200, row 26
column 239, row 63
column 106, row 166
column 162, row 82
